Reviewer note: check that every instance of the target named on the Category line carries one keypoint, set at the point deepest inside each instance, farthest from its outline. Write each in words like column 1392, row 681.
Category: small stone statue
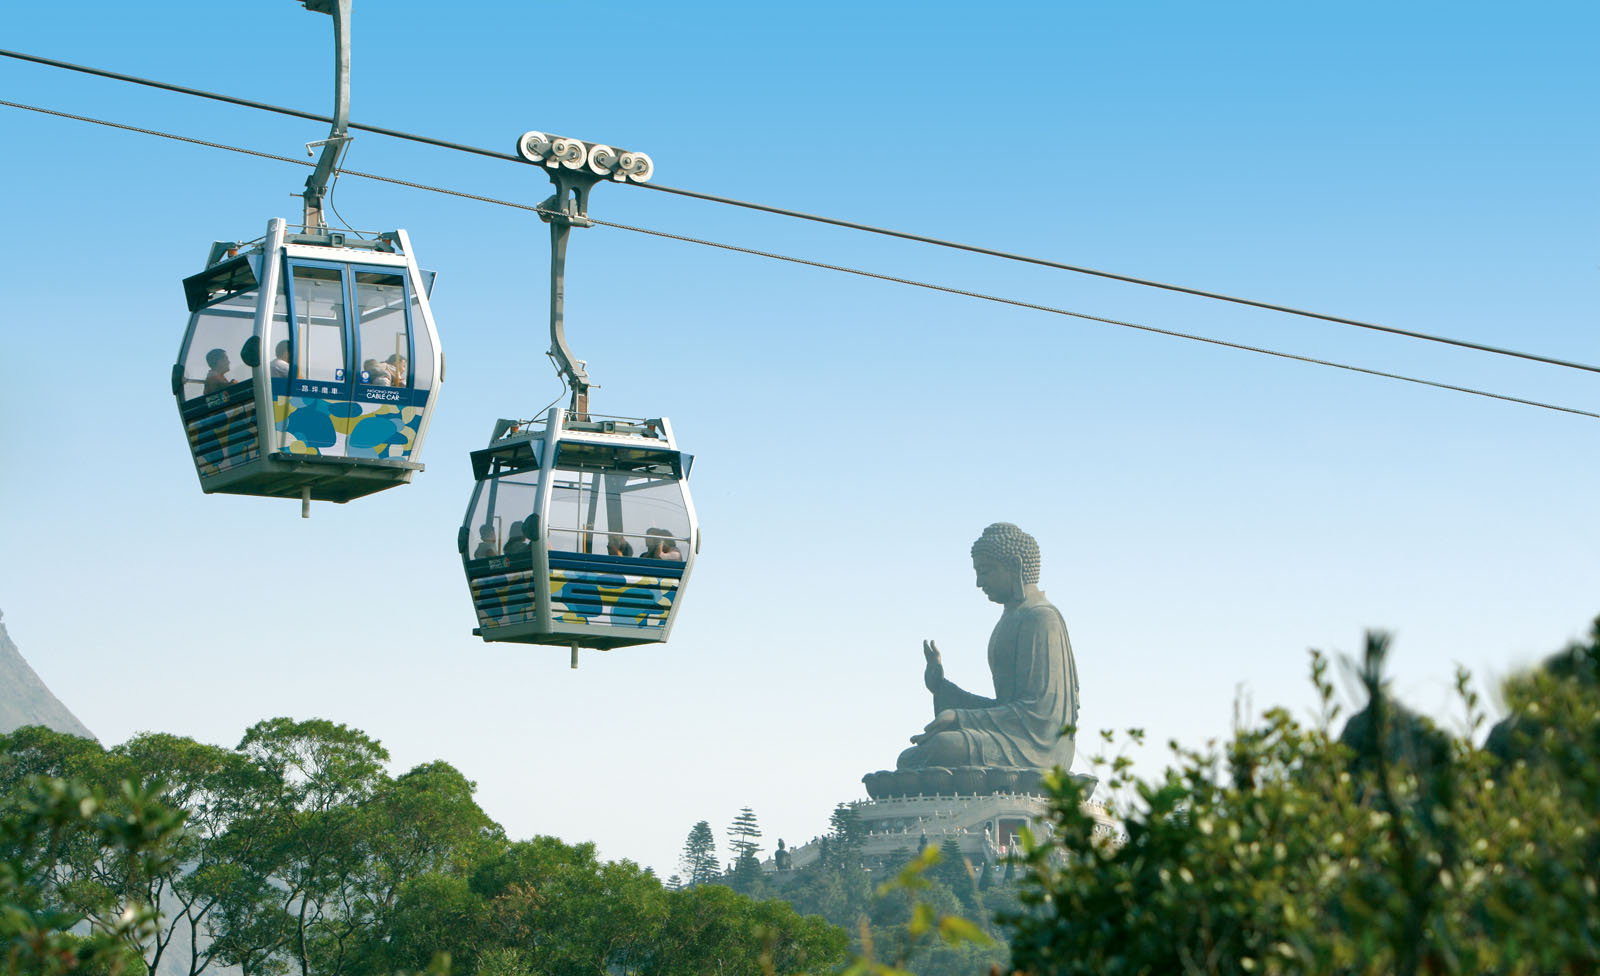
column 780, row 857
column 1030, row 659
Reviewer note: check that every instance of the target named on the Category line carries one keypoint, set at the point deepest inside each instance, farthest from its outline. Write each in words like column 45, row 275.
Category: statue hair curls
column 1009, row 544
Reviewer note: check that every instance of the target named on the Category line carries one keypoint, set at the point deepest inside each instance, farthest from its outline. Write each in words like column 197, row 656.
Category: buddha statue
column 1030, row 660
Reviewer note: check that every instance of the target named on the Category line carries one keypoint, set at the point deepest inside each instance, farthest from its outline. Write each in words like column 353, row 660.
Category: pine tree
column 699, row 861
column 742, row 835
column 844, row 827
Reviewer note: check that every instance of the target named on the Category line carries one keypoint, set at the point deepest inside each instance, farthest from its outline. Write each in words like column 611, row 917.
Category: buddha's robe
column 1035, row 693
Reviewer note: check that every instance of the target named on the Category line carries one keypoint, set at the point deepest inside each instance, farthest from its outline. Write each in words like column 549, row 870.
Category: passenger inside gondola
column 377, row 374
column 280, row 359
column 616, row 545
column 488, row 546
column 217, row 379
column 516, row 542
column 661, row 545
column 396, row 365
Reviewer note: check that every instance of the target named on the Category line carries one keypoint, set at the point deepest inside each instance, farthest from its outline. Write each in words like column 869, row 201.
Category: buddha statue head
column 1006, row 561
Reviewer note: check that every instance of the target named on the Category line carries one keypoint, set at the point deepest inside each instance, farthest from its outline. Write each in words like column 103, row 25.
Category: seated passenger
column 280, row 360
column 487, row 545
column 217, row 379
column 378, row 374
column 397, row 368
column 515, row 541
column 616, row 545
column 669, row 550
column 656, row 540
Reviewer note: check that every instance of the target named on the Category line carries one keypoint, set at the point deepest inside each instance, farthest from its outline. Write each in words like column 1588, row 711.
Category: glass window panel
column 422, row 366
column 213, row 360
column 319, row 316
column 618, row 513
column 577, row 515
column 381, row 312
column 281, row 362
column 503, row 505
column 654, row 516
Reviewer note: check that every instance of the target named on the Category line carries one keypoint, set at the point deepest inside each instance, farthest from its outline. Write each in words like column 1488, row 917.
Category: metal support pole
column 305, row 501
column 339, row 134
column 571, row 367
column 574, row 657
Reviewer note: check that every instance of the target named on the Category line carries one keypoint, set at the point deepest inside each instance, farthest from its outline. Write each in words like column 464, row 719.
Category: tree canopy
column 1392, row 847
column 297, row 852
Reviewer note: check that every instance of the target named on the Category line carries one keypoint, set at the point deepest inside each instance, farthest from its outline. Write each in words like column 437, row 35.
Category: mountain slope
column 25, row 700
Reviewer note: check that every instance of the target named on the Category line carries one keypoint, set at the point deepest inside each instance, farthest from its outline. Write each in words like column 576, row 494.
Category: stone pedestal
column 893, row 825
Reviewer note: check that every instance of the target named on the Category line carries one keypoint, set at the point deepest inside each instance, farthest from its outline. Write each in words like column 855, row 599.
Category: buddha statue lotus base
column 953, row 781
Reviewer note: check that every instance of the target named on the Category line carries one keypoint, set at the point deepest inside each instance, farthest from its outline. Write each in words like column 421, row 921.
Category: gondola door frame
column 270, row 276
column 541, row 556
column 419, row 300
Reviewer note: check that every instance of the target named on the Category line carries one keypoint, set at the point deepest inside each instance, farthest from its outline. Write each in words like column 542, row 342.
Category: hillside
column 25, row 700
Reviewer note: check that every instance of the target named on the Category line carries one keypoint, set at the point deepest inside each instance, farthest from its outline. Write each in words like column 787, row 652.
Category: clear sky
column 1206, row 515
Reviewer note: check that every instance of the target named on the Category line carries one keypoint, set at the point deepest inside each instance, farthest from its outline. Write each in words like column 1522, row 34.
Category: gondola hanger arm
column 317, row 183
column 574, row 166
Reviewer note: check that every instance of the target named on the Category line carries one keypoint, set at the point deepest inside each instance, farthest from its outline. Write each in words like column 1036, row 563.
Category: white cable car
column 309, row 369
column 311, row 362
column 580, row 532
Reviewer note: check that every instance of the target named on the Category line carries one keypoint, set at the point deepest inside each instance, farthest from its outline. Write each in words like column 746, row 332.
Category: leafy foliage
column 48, row 829
column 297, row 852
column 1394, row 848
column 892, row 922
column 699, row 861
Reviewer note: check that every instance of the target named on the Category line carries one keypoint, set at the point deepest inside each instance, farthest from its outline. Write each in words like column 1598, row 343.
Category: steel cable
column 1122, row 323
column 841, row 222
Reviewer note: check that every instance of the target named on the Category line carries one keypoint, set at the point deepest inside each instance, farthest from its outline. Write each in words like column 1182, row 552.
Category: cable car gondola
column 580, row 531
column 311, row 362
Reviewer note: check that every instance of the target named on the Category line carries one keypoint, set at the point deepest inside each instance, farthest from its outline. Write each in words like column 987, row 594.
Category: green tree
column 197, row 779
column 305, row 850
column 566, row 911
column 41, row 820
column 434, row 916
column 712, row 929
column 743, row 835
column 1396, row 850
column 845, row 835
column 699, row 861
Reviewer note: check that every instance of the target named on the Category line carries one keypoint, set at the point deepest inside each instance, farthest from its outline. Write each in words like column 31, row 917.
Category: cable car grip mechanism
column 574, row 166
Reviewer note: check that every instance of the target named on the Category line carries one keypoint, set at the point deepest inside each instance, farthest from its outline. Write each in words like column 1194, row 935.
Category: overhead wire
column 263, row 106
column 1019, row 303
column 1093, row 318
column 844, row 223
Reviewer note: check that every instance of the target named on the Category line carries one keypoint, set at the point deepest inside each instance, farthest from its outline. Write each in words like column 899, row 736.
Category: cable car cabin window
column 385, row 342
column 213, row 360
column 618, row 513
column 319, row 320
column 282, row 363
column 503, row 507
column 422, row 345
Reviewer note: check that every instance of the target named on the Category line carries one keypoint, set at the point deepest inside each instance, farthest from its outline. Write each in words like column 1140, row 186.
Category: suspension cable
column 841, row 222
column 1122, row 323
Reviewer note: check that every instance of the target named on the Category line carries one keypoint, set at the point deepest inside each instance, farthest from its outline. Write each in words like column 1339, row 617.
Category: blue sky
column 1206, row 515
